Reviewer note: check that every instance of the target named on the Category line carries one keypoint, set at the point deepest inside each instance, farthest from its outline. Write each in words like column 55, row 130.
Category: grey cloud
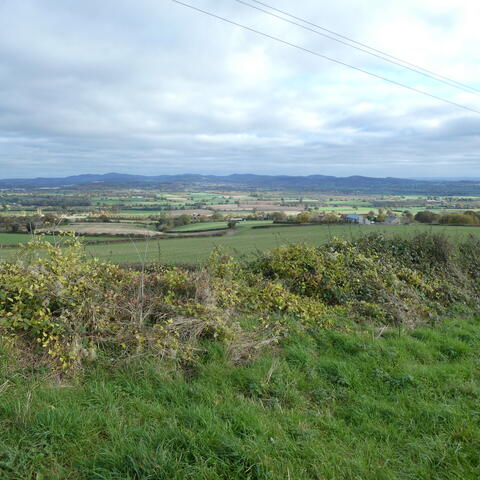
column 154, row 88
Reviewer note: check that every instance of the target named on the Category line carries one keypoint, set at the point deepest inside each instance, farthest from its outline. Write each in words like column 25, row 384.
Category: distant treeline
column 466, row 218
column 63, row 201
column 19, row 224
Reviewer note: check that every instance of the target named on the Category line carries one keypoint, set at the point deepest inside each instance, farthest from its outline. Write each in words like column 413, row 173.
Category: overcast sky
column 151, row 87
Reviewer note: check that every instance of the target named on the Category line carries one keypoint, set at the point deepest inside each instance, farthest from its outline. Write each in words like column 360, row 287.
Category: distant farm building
column 357, row 219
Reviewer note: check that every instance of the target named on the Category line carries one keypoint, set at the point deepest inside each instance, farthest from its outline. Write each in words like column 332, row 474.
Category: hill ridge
column 317, row 182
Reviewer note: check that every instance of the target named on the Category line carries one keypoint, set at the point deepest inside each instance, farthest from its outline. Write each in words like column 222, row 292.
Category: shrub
column 459, row 219
column 426, row 217
column 61, row 305
column 58, row 299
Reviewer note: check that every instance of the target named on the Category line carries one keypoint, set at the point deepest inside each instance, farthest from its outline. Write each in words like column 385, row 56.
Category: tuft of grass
column 395, row 404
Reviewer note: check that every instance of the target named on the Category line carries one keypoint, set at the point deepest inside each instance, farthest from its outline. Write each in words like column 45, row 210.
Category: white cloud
column 152, row 87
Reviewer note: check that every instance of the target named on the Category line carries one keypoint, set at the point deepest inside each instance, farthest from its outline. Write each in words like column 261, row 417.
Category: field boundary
column 206, row 230
column 283, row 225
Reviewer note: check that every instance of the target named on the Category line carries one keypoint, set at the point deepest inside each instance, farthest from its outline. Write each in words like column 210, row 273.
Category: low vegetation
column 67, row 307
column 330, row 404
column 355, row 359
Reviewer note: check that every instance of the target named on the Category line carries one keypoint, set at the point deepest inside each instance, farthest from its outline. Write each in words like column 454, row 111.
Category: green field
column 8, row 239
column 247, row 241
column 193, row 227
column 323, row 405
column 350, row 203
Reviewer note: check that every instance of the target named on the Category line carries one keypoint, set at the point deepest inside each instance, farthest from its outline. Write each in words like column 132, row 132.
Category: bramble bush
column 66, row 308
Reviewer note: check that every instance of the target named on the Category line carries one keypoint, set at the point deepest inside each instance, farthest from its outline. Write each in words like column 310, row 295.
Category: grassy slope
column 326, row 405
column 17, row 238
column 247, row 241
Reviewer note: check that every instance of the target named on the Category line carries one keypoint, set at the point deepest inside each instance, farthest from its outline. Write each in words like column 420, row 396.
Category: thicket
column 66, row 309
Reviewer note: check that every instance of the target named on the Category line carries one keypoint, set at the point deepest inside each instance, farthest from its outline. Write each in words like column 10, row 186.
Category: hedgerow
column 66, row 308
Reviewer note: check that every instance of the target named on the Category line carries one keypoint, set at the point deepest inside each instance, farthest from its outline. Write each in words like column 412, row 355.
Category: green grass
column 18, row 238
column 193, row 227
column 324, row 405
column 247, row 241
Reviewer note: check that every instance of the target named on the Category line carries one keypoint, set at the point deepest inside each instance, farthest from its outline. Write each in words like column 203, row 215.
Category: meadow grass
column 322, row 405
column 247, row 242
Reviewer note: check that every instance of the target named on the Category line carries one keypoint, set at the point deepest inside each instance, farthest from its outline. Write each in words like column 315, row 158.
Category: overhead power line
column 325, row 57
column 362, row 48
column 373, row 50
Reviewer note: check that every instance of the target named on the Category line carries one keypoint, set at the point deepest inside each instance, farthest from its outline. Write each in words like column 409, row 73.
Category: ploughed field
column 243, row 241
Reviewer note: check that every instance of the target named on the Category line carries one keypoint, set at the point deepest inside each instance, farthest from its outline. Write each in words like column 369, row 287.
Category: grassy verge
column 322, row 405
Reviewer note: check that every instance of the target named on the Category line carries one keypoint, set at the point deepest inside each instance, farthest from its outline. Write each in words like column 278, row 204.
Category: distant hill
column 317, row 183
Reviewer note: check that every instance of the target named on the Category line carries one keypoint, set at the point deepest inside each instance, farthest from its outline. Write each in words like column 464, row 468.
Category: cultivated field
column 148, row 202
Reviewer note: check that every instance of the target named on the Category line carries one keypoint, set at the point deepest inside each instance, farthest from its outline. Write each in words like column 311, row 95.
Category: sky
column 151, row 87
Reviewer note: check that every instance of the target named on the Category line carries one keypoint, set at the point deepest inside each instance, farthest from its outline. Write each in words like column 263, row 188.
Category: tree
column 31, row 223
column 279, row 217
column 303, row 217
column 331, row 218
column 10, row 224
column 183, row 219
column 407, row 216
column 31, row 226
column 426, row 217
column 163, row 223
column 475, row 216
column 458, row 219
column 50, row 219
